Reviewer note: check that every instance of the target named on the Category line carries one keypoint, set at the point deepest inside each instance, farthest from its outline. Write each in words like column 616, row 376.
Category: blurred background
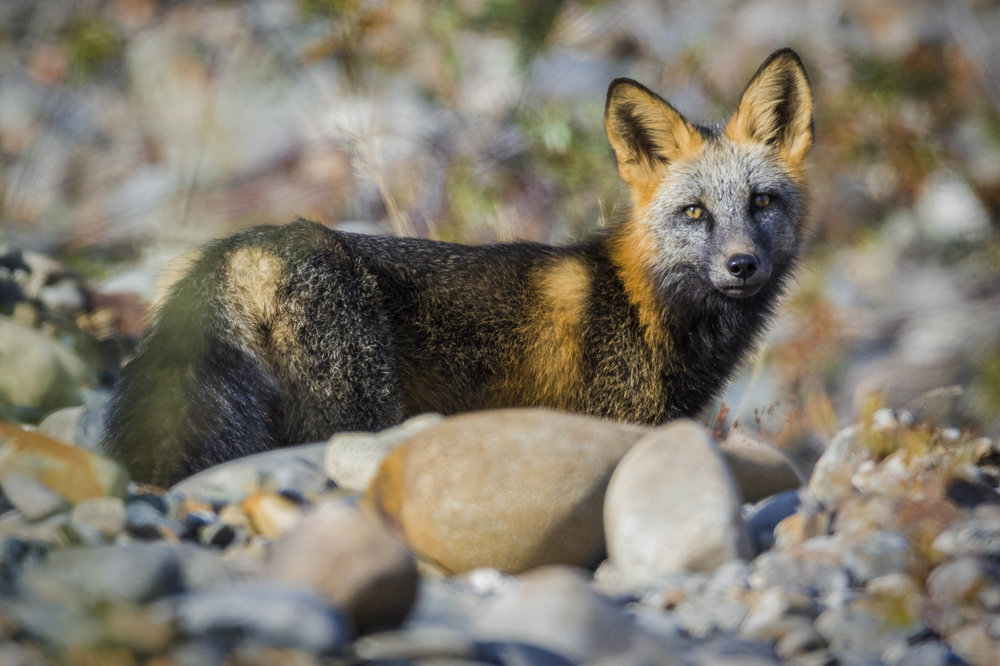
column 131, row 130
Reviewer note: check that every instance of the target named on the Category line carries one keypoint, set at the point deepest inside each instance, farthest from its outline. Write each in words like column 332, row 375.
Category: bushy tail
column 194, row 395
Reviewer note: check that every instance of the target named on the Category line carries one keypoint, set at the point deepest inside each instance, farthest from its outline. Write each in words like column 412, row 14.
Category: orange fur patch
column 635, row 252
column 549, row 372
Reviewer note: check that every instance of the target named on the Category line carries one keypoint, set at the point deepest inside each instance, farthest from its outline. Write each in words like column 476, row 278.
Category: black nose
column 742, row 265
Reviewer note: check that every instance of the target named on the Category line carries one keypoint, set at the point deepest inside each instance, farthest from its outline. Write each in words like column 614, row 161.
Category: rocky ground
column 840, row 508
column 366, row 549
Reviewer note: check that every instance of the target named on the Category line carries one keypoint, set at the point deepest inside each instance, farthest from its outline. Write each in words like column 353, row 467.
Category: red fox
column 288, row 334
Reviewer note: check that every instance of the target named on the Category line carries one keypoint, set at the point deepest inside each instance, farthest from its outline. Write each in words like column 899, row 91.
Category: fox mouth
column 741, row 290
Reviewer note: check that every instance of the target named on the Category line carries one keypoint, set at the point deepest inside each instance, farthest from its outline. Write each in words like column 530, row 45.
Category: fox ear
column 645, row 132
column 776, row 108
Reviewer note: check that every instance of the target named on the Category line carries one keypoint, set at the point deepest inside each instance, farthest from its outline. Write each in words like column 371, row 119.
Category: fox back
column 288, row 334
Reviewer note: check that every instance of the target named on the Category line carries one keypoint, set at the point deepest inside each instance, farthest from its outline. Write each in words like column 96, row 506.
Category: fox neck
column 700, row 334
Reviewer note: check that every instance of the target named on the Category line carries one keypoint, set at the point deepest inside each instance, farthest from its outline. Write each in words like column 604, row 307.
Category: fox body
column 280, row 335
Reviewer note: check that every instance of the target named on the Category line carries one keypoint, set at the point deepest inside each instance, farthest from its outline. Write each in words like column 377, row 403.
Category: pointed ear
column 645, row 132
column 776, row 108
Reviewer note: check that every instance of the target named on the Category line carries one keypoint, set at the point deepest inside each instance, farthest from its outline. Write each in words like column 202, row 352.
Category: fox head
column 718, row 207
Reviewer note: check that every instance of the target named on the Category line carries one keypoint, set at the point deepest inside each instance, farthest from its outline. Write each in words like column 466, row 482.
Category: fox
column 288, row 334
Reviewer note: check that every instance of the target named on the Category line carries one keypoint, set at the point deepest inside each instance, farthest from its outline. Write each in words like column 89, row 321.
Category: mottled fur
column 281, row 335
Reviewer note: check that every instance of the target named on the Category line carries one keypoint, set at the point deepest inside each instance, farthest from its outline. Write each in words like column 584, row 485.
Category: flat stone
column 352, row 561
column 135, row 572
column 124, row 573
column 351, row 459
column 428, row 642
column 73, row 473
column 31, row 497
column 263, row 614
column 295, row 467
column 557, row 610
column 509, row 489
column 672, row 506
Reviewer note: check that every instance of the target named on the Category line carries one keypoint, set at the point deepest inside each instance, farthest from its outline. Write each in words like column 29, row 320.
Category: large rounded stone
column 36, row 371
column 352, row 561
column 511, row 489
column 672, row 506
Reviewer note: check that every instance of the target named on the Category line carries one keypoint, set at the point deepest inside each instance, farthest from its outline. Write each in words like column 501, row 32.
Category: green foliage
column 328, row 8
column 93, row 44
column 574, row 156
column 886, row 82
column 530, row 20
column 988, row 382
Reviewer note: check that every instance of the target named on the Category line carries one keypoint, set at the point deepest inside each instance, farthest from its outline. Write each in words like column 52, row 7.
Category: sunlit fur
column 280, row 335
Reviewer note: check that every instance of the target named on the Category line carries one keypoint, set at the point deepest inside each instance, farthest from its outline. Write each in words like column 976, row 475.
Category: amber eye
column 761, row 200
column 694, row 212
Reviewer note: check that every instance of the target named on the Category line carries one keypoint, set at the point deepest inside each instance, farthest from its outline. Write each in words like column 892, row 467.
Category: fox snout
column 740, row 274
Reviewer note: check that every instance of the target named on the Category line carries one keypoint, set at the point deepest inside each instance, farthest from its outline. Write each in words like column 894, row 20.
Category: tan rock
column 73, row 473
column 509, row 489
column 106, row 516
column 673, row 507
column 352, row 561
column 759, row 468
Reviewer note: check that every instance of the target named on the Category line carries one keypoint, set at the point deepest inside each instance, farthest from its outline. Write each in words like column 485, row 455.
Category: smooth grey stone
column 31, row 497
column 761, row 518
column 132, row 572
column 135, row 572
column 930, row 653
column 263, row 614
column 56, row 623
column 427, row 642
column 519, row 654
column 727, row 651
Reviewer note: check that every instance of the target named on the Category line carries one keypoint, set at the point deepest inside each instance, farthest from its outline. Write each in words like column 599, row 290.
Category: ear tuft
column 776, row 108
column 645, row 131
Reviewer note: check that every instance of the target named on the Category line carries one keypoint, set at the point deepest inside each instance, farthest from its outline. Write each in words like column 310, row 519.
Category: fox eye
column 761, row 200
column 694, row 212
